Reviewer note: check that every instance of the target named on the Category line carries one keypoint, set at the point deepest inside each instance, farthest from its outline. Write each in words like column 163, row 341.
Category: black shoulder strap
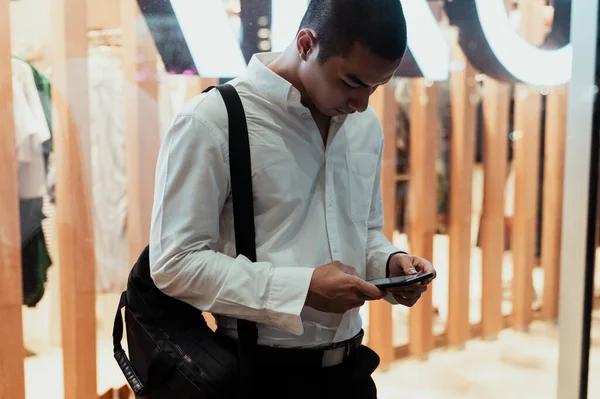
column 243, row 212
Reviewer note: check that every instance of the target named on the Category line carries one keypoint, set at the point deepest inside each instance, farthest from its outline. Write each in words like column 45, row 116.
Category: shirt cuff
column 378, row 262
column 287, row 295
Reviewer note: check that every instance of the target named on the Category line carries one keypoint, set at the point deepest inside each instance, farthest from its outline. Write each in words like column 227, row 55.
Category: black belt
column 327, row 356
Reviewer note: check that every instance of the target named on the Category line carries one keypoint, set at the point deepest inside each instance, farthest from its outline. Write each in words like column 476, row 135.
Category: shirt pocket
column 361, row 176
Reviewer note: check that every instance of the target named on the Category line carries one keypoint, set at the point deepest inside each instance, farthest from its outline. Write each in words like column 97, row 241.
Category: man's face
column 343, row 85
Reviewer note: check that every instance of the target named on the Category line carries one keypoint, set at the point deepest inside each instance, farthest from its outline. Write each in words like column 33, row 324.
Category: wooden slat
column 12, row 353
column 463, row 91
column 380, row 312
column 196, row 85
column 441, row 340
column 73, row 216
column 496, row 114
column 422, row 202
column 142, row 135
column 554, row 163
column 526, row 160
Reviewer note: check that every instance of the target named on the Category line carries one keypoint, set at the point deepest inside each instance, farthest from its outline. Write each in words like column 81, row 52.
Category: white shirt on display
column 314, row 204
column 31, row 131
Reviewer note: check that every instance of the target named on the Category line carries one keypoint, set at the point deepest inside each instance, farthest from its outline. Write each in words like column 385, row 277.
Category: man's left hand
column 402, row 265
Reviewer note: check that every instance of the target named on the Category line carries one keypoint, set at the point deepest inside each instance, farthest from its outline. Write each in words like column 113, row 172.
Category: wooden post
column 142, row 135
column 463, row 92
column 73, row 198
column 496, row 114
column 554, row 164
column 422, row 194
column 526, row 159
column 12, row 353
column 197, row 85
column 381, row 329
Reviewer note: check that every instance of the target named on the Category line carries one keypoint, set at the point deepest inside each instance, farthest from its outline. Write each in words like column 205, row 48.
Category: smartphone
column 400, row 281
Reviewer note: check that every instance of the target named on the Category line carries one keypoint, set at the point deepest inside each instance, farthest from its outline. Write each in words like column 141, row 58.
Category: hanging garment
column 35, row 259
column 31, row 131
column 108, row 169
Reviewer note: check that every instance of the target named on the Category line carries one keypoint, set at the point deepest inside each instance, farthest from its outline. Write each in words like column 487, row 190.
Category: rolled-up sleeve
column 192, row 185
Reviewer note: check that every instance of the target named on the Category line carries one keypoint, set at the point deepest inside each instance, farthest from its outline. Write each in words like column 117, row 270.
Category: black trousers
column 283, row 377
column 349, row 380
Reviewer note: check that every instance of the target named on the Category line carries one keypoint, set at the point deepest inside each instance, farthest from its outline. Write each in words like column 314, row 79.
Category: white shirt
column 31, row 131
column 109, row 180
column 313, row 204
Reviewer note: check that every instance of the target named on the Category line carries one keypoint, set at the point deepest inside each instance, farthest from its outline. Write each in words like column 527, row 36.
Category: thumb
column 369, row 290
column 406, row 262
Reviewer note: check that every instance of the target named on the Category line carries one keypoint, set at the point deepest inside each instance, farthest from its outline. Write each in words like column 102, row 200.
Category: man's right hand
column 337, row 288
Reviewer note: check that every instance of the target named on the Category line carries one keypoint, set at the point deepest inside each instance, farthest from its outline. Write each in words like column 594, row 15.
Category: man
column 316, row 162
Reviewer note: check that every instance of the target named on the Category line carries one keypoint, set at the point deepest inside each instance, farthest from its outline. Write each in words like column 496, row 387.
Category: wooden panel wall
column 380, row 312
column 12, row 353
column 528, row 111
column 554, row 164
column 463, row 93
column 496, row 113
column 142, row 135
column 73, row 217
column 197, row 85
column 424, row 122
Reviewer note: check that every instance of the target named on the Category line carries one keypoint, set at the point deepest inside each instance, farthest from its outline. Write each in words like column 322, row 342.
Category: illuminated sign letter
column 194, row 36
column 494, row 47
column 428, row 54
column 285, row 20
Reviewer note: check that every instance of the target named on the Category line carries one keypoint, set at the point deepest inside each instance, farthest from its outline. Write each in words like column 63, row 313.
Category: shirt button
column 305, row 116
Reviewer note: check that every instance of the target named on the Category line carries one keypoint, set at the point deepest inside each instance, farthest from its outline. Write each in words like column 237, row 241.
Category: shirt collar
column 271, row 86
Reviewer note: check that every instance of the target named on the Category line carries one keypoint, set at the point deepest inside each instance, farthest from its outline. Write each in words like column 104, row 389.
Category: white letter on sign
column 491, row 43
column 215, row 50
column 286, row 16
column 425, row 40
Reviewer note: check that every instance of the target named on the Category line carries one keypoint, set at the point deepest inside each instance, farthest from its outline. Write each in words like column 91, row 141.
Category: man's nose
column 359, row 102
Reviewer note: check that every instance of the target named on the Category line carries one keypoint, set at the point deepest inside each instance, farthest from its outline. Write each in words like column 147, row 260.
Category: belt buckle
column 341, row 351
column 333, row 357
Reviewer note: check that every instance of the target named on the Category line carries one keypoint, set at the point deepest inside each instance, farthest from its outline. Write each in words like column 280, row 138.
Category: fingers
column 406, row 263
column 407, row 302
column 408, row 297
column 409, row 292
column 368, row 290
column 424, row 266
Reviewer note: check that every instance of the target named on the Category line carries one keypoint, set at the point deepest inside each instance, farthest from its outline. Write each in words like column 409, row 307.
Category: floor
column 516, row 366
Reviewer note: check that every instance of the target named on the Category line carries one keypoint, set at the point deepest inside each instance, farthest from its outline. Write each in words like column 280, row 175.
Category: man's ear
column 306, row 43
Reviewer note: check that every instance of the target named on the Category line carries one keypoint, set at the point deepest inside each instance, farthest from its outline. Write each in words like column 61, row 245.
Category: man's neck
column 286, row 66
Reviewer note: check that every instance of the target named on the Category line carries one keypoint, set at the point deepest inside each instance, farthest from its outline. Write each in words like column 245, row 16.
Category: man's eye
column 347, row 85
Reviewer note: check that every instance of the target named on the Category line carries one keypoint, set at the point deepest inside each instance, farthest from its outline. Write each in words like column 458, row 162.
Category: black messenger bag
column 172, row 351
